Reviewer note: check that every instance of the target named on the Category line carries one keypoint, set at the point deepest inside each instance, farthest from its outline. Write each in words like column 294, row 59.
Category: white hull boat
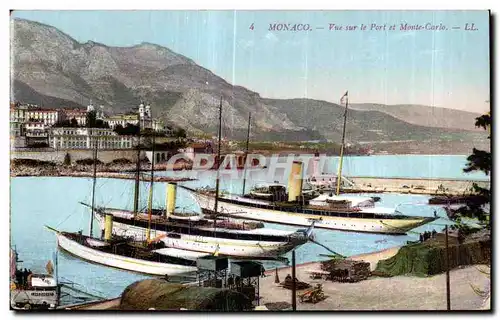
column 372, row 220
column 198, row 240
column 92, row 251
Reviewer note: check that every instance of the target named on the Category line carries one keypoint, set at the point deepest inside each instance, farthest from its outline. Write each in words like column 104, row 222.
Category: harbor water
column 54, row 201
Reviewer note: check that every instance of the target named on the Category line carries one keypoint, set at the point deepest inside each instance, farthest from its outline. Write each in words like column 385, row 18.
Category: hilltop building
column 17, row 119
column 78, row 114
column 48, row 116
column 31, row 126
column 145, row 115
column 143, row 118
column 85, row 138
column 99, row 111
column 36, row 134
column 122, row 119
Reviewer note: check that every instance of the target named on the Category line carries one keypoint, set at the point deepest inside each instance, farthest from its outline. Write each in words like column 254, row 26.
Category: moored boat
column 292, row 207
column 372, row 220
column 260, row 243
column 231, row 238
column 32, row 290
column 120, row 252
column 123, row 255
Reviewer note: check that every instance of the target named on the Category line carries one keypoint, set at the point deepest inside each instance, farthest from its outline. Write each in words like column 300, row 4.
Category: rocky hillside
column 425, row 115
column 51, row 67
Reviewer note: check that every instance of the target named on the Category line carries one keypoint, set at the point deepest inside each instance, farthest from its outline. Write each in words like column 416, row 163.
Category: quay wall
column 416, row 185
column 57, row 156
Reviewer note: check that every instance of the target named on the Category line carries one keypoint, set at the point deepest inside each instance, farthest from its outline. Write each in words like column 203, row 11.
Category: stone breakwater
column 85, row 171
column 425, row 186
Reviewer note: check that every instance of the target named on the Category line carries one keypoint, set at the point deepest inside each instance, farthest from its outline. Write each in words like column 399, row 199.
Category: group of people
column 234, row 282
column 22, row 277
column 427, row 235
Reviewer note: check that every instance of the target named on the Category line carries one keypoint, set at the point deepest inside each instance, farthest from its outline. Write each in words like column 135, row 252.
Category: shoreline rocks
column 80, row 171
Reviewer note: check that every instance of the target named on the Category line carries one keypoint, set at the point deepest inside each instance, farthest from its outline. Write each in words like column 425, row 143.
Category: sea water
column 54, row 201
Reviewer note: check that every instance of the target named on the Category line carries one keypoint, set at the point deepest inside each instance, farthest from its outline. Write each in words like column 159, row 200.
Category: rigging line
column 71, row 285
column 105, row 204
column 80, row 224
column 410, row 231
column 72, row 288
column 66, row 219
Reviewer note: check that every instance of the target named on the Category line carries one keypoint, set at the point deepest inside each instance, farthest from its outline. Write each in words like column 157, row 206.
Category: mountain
column 425, row 115
column 50, row 66
column 29, row 95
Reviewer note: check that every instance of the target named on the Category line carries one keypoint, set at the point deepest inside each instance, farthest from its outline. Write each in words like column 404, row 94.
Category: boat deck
column 126, row 248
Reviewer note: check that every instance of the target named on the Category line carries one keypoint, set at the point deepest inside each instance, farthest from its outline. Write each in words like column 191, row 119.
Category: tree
column 91, row 118
column 180, row 133
column 62, row 123
column 129, row 130
column 101, row 124
column 74, row 123
column 118, row 128
column 479, row 160
column 93, row 122
column 67, row 159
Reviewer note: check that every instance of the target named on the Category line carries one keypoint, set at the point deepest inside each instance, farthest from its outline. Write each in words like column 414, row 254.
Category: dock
column 110, row 175
column 423, row 186
column 93, row 305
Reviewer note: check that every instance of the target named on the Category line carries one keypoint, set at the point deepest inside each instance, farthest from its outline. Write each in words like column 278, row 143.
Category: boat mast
column 96, row 140
column 138, row 169
column 150, row 201
column 339, row 175
column 246, row 155
column 218, row 164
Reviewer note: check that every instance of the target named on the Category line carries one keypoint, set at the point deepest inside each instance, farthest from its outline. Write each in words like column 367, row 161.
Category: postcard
column 238, row 160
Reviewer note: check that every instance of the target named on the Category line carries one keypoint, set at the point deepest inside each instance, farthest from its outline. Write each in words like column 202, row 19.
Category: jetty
column 126, row 176
column 376, row 293
column 35, row 168
column 93, row 305
column 110, row 175
column 423, row 186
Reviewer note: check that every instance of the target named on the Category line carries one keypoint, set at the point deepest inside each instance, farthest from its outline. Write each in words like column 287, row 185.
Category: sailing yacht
column 123, row 254
column 229, row 238
column 292, row 207
column 143, row 257
column 335, row 215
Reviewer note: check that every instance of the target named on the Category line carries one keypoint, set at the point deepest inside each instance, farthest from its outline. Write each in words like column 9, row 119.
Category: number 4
column 251, row 27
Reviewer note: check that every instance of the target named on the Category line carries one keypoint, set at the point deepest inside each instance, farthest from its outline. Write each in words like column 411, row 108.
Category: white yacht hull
column 226, row 247
column 370, row 225
column 121, row 262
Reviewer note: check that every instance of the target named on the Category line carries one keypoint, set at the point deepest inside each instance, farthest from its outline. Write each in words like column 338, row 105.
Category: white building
column 98, row 110
column 160, row 156
column 17, row 119
column 145, row 116
column 122, row 119
column 20, row 114
column 36, row 134
column 47, row 116
column 79, row 115
column 142, row 117
column 86, row 138
column 35, row 129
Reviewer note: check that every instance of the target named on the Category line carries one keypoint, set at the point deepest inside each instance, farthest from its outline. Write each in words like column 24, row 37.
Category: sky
column 443, row 68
